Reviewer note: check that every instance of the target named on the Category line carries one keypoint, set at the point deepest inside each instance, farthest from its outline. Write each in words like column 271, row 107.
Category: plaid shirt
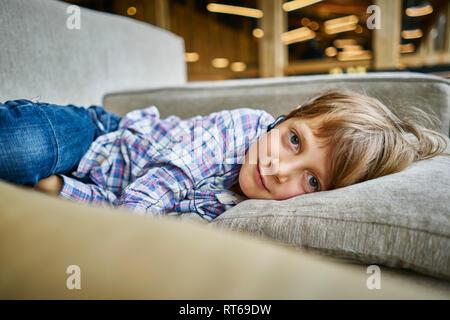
column 153, row 165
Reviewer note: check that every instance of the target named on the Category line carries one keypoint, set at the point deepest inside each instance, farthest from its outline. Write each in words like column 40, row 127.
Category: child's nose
column 285, row 170
column 282, row 179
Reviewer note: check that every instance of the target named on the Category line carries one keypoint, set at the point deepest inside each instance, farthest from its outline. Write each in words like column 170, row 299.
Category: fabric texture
column 127, row 256
column 401, row 220
column 397, row 90
column 156, row 166
column 49, row 60
column 38, row 139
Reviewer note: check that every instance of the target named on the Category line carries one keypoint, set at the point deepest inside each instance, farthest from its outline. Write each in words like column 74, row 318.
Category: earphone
column 273, row 124
column 278, row 120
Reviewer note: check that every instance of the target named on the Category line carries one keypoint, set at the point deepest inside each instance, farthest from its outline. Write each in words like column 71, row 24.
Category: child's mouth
column 259, row 178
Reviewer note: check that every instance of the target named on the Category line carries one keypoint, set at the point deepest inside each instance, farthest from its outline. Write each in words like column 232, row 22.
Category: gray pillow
column 400, row 220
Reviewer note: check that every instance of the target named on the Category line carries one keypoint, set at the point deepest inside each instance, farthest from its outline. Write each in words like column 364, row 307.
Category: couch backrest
column 398, row 90
column 41, row 59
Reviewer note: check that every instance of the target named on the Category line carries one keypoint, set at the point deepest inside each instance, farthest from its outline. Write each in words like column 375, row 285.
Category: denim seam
column 98, row 124
column 55, row 164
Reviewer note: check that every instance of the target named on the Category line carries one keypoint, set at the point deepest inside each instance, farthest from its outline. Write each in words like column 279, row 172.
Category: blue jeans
column 40, row 139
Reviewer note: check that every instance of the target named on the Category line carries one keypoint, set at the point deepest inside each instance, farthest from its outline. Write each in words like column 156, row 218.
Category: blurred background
column 229, row 39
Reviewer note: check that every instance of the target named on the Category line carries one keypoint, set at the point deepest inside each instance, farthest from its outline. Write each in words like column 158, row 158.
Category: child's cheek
column 290, row 190
column 269, row 147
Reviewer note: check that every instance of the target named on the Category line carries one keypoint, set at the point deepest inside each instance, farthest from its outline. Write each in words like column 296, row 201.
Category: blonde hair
column 368, row 140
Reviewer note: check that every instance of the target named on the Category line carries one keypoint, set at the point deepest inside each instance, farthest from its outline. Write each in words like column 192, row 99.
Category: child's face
column 301, row 166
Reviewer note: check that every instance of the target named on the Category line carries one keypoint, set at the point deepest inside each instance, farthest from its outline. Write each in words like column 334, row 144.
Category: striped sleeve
column 157, row 192
column 83, row 192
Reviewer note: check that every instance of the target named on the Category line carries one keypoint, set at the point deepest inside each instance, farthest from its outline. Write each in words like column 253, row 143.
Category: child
column 209, row 164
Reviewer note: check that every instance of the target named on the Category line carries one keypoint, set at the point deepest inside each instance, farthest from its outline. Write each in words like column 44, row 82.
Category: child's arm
column 156, row 192
column 85, row 192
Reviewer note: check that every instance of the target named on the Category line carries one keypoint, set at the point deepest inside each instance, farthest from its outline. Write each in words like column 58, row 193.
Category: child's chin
column 253, row 192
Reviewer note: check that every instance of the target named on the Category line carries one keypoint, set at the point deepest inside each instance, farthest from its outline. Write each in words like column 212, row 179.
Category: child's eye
column 294, row 139
column 313, row 182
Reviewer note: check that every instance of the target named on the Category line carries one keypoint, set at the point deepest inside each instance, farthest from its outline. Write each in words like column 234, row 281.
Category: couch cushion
column 400, row 220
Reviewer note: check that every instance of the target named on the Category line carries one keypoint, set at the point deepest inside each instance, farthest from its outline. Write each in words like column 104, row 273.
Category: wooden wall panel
column 211, row 39
column 386, row 41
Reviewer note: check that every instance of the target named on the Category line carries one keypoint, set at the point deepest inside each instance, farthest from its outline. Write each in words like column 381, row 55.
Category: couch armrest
column 42, row 59
column 122, row 255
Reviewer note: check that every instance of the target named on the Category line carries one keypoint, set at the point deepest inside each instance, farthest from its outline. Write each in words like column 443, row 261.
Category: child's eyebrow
column 300, row 129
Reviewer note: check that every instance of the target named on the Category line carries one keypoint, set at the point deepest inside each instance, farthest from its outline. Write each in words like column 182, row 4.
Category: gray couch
column 399, row 222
